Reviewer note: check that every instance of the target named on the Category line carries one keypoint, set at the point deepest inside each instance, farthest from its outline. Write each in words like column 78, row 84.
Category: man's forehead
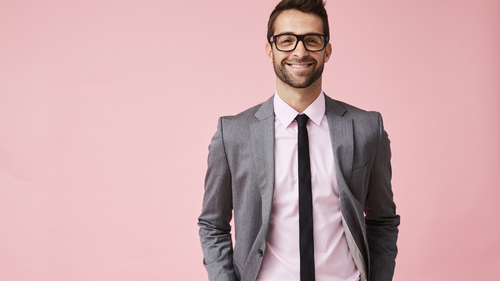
column 296, row 22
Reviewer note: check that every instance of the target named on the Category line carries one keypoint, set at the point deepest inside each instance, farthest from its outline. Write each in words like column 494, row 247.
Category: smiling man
column 308, row 178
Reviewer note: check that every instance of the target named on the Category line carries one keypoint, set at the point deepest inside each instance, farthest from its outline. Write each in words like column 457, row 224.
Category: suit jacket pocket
column 357, row 184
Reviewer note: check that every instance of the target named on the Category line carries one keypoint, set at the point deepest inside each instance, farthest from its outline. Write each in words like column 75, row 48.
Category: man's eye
column 286, row 41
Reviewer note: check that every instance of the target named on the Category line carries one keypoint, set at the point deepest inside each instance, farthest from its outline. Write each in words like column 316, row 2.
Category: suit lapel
column 341, row 134
column 262, row 140
column 342, row 138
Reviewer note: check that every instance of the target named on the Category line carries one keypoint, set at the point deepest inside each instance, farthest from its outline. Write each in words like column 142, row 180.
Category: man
column 307, row 177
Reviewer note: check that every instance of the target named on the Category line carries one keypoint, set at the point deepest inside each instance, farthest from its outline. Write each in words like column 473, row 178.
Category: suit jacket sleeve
column 215, row 230
column 381, row 219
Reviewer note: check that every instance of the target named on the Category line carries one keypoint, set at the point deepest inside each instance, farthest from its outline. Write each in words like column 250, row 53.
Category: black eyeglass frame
column 300, row 38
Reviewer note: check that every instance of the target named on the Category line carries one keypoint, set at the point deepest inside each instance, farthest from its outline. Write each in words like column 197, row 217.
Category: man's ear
column 269, row 52
column 328, row 52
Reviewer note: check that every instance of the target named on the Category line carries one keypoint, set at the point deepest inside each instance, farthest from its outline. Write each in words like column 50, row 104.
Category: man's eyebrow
column 285, row 33
column 293, row 33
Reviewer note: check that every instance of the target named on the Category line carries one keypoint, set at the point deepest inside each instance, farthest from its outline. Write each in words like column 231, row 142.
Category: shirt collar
column 286, row 114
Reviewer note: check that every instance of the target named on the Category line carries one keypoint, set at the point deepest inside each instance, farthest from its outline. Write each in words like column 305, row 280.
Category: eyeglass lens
column 288, row 42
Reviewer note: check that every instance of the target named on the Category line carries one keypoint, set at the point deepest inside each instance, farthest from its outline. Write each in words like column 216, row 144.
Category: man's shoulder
column 245, row 114
column 259, row 111
column 346, row 109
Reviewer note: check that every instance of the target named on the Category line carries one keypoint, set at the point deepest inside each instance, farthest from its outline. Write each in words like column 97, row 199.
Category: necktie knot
column 302, row 120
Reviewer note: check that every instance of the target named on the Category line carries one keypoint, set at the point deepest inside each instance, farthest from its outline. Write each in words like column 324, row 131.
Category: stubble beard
column 298, row 82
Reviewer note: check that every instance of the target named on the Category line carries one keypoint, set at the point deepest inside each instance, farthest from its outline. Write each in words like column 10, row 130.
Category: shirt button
column 260, row 253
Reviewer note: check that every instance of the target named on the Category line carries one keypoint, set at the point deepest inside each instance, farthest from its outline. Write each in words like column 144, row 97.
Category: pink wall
column 107, row 109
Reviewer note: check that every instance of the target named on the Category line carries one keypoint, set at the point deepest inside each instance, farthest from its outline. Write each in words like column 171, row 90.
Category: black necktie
column 305, row 203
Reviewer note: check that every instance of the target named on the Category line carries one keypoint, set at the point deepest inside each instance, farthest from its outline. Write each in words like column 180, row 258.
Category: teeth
column 299, row 65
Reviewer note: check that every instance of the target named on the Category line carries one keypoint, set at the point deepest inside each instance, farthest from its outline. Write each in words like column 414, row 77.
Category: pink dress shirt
column 333, row 260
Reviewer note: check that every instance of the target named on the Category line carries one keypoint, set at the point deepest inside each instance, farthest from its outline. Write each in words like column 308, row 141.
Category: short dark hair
column 316, row 7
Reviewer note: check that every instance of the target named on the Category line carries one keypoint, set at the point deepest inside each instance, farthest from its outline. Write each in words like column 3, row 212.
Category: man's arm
column 381, row 219
column 215, row 231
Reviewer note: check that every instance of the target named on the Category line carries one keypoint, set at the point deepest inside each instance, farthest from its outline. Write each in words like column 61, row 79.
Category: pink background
column 107, row 109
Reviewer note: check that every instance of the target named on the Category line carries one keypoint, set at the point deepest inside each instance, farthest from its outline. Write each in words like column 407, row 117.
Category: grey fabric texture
column 240, row 180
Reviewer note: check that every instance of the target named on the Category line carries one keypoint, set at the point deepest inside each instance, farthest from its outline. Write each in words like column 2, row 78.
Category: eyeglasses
column 288, row 42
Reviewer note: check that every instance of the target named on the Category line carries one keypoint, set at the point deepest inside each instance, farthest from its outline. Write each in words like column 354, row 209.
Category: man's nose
column 300, row 50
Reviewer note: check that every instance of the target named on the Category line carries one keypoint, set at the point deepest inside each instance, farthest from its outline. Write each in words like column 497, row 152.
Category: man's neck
column 298, row 98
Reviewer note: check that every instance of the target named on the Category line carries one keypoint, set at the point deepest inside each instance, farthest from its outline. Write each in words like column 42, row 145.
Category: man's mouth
column 299, row 65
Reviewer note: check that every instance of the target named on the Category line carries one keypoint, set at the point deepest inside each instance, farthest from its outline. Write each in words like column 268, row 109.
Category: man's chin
column 298, row 83
column 299, row 86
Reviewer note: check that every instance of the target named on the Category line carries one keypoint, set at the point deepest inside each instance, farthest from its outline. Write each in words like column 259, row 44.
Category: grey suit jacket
column 240, row 179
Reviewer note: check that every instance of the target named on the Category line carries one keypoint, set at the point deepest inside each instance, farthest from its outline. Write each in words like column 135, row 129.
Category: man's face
column 298, row 68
